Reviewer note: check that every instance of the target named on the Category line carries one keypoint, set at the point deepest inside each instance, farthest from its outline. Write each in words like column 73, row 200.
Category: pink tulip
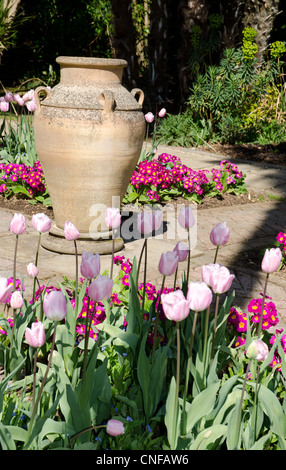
column 19, row 99
column 17, row 300
column 168, row 263
column 35, row 336
column 149, row 221
column 41, row 222
column 29, row 96
column 112, row 217
column 18, row 224
column 257, row 350
column 220, row 234
column 100, row 288
column 32, row 270
column 186, row 218
column 182, row 251
column 149, row 117
column 199, row 296
column 271, row 260
column 31, row 105
column 55, row 306
column 4, row 106
column 175, row 306
column 114, row 427
column 5, row 290
column 90, row 265
column 70, row 231
column 162, row 112
column 220, row 279
column 9, row 96
column 206, row 272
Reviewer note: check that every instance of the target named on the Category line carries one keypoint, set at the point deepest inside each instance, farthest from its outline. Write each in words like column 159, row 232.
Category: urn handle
column 38, row 91
column 137, row 91
column 107, row 98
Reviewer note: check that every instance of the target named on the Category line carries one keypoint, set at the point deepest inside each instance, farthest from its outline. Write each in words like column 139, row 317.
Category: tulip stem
column 262, row 306
column 34, row 376
column 214, row 329
column 140, row 259
column 188, row 374
column 157, row 320
column 189, row 256
column 178, row 368
column 206, row 334
column 36, row 264
column 112, row 257
column 76, row 277
column 238, row 423
column 14, row 286
column 145, row 276
column 35, row 405
column 175, row 277
column 216, row 253
column 86, row 336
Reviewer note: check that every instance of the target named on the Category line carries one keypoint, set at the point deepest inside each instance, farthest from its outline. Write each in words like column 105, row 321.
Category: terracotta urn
column 89, row 132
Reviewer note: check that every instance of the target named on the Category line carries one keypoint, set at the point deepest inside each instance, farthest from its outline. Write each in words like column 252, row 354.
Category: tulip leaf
column 202, row 405
column 173, row 416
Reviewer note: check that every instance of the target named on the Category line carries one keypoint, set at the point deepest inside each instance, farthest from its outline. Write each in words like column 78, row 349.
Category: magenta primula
column 30, row 177
column 165, row 177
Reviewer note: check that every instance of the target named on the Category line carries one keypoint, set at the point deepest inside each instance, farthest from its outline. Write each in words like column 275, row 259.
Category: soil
column 274, row 154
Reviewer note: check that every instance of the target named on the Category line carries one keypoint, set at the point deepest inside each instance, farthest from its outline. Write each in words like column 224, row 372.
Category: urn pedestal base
column 55, row 241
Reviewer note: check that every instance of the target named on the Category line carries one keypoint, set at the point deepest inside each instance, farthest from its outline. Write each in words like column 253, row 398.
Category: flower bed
column 103, row 363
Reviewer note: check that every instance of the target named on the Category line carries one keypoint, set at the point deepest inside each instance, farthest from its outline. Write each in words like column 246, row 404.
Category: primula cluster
column 238, row 321
column 30, row 177
column 153, row 178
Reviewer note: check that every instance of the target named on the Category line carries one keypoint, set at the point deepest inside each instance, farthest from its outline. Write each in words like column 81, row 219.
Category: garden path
column 253, row 226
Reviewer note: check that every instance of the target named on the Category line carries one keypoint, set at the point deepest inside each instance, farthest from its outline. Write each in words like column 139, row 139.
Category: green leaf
column 202, row 405
column 173, row 416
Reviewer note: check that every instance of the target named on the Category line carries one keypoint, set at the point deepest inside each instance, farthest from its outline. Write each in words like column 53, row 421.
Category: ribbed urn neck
column 88, row 70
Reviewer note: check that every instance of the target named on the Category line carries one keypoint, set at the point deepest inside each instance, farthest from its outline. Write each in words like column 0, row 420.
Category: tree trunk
column 124, row 41
column 260, row 15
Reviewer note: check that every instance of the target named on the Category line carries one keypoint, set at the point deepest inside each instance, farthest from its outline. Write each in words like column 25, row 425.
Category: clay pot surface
column 89, row 132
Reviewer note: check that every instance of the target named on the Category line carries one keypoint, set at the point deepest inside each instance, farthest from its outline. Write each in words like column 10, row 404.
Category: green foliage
column 234, row 101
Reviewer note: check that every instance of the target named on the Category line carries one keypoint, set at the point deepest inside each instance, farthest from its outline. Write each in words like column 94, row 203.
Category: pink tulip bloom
column 114, row 427
column 168, row 263
column 5, row 290
column 19, row 99
column 55, row 306
column 35, row 336
column 149, row 221
column 112, row 217
column 199, row 296
column 9, row 96
column 186, row 218
column 182, row 251
column 32, row 270
column 100, row 288
column 257, row 350
column 18, row 224
column 90, row 265
column 149, row 117
column 220, row 234
column 41, row 222
column 162, row 112
column 70, row 231
column 4, row 106
column 206, row 272
column 175, row 306
column 29, row 96
column 220, row 279
column 271, row 260
column 17, row 300
column 31, row 105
